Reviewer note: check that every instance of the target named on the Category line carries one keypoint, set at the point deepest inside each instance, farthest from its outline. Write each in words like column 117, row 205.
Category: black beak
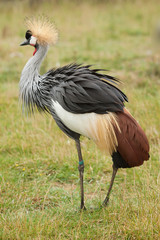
column 26, row 42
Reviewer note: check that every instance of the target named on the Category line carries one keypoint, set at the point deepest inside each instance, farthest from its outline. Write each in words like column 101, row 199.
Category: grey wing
column 82, row 90
column 87, row 93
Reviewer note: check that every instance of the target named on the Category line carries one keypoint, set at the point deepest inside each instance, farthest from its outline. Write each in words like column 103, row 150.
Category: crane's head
column 41, row 32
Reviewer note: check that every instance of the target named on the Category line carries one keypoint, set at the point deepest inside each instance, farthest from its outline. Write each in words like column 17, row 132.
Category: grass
column 39, row 182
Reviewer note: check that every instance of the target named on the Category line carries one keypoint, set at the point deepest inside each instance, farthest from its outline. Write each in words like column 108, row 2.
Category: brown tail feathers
column 133, row 146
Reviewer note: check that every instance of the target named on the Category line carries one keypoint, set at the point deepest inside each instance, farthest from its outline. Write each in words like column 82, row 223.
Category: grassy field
column 39, row 179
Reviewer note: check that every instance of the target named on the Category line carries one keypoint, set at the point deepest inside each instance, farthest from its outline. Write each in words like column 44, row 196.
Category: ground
column 39, row 179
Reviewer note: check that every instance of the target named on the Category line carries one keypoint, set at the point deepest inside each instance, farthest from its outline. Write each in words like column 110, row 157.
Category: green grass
column 39, row 179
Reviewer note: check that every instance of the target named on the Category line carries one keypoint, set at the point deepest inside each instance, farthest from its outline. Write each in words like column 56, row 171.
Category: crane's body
column 83, row 102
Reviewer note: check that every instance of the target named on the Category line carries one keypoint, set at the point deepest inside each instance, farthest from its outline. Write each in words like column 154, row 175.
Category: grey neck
column 33, row 65
column 30, row 76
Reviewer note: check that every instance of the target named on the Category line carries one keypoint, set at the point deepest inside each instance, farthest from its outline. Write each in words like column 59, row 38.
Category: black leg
column 106, row 200
column 81, row 171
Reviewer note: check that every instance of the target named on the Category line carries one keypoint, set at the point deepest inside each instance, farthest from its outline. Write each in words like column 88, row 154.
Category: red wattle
column 35, row 51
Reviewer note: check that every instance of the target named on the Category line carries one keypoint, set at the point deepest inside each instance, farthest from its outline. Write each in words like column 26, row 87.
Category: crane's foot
column 105, row 202
column 83, row 208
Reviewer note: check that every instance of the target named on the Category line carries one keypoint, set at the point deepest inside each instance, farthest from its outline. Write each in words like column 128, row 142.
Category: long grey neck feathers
column 30, row 78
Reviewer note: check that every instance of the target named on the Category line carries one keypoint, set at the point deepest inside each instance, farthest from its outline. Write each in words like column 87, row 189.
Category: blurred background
column 116, row 35
column 39, row 184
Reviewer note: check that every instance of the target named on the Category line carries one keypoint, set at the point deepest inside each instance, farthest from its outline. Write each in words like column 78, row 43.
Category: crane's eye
column 28, row 34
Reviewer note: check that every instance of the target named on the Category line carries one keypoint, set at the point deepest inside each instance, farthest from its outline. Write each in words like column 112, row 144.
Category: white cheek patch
column 33, row 41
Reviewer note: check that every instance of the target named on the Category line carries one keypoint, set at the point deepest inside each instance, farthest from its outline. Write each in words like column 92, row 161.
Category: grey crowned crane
column 82, row 101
